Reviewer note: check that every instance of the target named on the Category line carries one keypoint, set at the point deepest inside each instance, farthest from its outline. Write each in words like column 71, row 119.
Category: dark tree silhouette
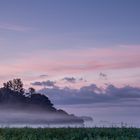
column 8, row 85
column 14, row 85
column 31, row 90
column 13, row 97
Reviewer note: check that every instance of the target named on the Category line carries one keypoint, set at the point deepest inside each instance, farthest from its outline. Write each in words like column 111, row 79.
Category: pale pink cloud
column 87, row 60
column 79, row 60
column 74, row 62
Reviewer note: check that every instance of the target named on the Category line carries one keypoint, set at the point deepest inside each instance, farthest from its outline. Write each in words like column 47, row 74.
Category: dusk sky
column 84, row 51
column 68, row 38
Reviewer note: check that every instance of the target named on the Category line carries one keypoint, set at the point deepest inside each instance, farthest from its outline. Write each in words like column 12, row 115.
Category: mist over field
column 106, row 116
column 35, row 119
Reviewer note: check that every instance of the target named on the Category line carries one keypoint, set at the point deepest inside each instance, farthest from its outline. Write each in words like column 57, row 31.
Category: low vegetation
column 70, row 134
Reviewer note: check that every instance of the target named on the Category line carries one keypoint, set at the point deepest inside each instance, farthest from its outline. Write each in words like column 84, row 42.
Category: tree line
column 16, row 85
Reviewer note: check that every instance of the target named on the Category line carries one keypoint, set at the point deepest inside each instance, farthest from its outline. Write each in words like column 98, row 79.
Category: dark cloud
column 92, row 94
column 43, row 76
column 44, row 83
column 124, row 92
column 103, row 76
column 72, row 79
column 82, row 79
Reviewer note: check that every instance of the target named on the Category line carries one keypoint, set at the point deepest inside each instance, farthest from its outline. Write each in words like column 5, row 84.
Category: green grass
column 69, row 134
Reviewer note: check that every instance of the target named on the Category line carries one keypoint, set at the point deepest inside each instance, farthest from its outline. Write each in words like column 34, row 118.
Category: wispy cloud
column 14, row 27
column 44, row 83
column 78, row 63
column 72, row 80
column 72, row 61
column 43, row 76
column 69, row 79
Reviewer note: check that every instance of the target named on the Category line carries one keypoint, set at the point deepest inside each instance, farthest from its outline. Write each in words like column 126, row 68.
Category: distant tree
column 15, row 85
column 8, row 85
column 31, row 90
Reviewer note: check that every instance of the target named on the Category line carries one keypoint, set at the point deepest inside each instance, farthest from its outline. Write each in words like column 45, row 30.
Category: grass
column 69, row 134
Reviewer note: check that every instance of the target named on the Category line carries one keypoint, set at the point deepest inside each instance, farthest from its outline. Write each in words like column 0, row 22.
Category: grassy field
column 70, row 134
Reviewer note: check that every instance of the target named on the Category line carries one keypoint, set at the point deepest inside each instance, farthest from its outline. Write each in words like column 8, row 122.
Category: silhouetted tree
column 31, row 90
column 14, row 85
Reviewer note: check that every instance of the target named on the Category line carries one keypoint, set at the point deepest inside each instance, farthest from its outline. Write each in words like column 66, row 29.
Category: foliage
column 14, row 85
column 31, row 90
column 13, row 93
column 70, row 134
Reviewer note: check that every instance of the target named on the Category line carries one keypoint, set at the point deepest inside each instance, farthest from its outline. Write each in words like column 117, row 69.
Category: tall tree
column 15, row 85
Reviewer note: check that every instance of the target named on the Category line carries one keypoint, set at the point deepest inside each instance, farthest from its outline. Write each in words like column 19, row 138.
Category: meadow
column 69, row 134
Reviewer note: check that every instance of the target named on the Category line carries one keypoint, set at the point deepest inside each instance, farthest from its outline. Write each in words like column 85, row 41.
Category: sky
column 69, row 38
column 73, row 46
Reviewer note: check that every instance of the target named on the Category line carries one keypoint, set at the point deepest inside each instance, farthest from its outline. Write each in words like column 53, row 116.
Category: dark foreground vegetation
column 70, row 134
column 20, row 106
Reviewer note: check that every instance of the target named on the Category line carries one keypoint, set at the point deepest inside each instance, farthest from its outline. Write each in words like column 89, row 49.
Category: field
column 69, row 134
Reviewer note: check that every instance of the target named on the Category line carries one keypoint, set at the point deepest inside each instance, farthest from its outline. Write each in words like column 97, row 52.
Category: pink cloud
column 74, row 62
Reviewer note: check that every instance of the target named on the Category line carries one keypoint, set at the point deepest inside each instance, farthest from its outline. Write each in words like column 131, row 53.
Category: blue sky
column 100, row 23
column 103, row 21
